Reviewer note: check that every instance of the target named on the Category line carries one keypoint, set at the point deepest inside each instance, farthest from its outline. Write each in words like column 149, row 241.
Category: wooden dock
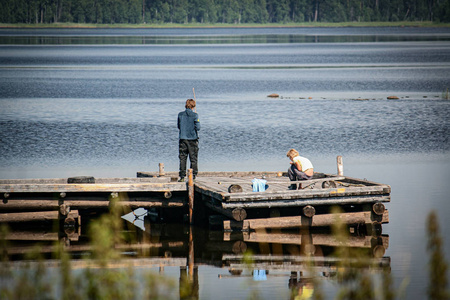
column 226, row 199
column 48, row 199
column 231, row 195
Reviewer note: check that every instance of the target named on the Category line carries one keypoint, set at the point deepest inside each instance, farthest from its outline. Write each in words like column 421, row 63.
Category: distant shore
column 223, row 25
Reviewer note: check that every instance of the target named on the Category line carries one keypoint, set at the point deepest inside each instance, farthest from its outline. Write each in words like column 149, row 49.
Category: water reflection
column 299, row 258
column 221, row 39
column 136, row 217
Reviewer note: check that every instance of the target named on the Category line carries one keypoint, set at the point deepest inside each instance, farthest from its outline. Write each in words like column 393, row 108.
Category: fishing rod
column 195, row 108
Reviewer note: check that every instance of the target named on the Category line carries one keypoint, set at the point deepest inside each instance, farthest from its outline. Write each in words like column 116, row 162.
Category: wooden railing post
column 191, row 194
column 161, row 169
column 340, row 166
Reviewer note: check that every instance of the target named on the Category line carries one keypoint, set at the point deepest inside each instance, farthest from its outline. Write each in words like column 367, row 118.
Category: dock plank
column 304, row 202
column 92, row 187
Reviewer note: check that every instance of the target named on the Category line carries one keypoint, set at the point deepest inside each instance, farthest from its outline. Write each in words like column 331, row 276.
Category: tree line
column 221, row 11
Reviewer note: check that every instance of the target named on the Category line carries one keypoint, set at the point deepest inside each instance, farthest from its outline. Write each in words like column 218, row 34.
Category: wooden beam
column 319, row 239
column 281, row 202
column 39, row 236
column 287, row 182
column 35, row 216
column 365, row 217
column 314, row 264
column 305, row 194
column 216, row 174
column 83, row 204
column 237, row 214
column 92, row 187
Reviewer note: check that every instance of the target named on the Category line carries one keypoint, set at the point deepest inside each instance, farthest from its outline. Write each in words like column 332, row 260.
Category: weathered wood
column 319, row 239
column 38, row 236
column 191, row 195
column 123, row 263
column 93, row 187
column 85, row 204
column 340, row 166
column 274, row 195
column 214, row 174
column 64, row 209
column 235, row 188
column 280, row 202
column 286, row 182
column 277, row 193
column 309, row 211
column 109, row 180
column 218, row 197
column 313, row 265
column 230, row 225
column 81, row 179
column 378, row 208
column 299, row 221
column 161, row 169
column 34, row 216
column 239, row 214
column 329, row 184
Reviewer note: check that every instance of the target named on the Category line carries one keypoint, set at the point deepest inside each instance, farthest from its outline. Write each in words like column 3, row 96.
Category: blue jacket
column 188, row 124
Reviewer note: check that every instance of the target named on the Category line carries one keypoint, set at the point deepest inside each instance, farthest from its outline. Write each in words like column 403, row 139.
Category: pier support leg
column 191, row 194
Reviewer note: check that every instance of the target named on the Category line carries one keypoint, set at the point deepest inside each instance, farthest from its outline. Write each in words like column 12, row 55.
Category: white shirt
column 305, row 163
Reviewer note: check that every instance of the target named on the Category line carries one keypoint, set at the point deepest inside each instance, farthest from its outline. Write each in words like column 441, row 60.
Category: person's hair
column 292, row 153
column 190, row 103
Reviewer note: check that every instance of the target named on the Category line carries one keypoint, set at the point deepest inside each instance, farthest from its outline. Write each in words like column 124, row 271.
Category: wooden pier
column 47, row 199
column 224, row 199
column 228, row 199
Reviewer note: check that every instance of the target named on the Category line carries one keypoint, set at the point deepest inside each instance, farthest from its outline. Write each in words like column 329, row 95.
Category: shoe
column 293, row 187
column 181, row 179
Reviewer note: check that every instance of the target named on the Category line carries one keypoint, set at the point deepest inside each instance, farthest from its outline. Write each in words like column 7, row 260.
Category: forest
column 221, row 11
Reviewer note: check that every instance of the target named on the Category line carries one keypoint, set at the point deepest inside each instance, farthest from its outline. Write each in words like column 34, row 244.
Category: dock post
column 340, row 166
column 191, row 255
column 161, row 169
column 191, row 194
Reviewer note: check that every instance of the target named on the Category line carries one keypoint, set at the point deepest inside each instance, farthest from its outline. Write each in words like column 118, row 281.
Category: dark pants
column 295, row 174
column 188, row 147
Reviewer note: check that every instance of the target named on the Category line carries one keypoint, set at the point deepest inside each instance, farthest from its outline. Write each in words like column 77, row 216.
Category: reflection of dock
column 273, row 253
column 319, row 239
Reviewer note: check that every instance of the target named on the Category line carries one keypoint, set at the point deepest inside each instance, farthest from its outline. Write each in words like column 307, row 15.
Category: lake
column 104, row 102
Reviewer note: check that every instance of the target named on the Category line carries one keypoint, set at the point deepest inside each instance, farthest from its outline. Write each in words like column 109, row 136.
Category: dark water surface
column 104, row 103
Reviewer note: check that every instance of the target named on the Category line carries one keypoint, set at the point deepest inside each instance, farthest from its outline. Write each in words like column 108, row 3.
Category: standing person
column 301, row 168
column 188, row 125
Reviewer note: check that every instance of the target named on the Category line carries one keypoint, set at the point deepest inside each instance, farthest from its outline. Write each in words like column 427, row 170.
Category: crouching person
column 301, row 168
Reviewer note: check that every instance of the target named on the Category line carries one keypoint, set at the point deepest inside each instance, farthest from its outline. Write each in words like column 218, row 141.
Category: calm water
column 104, row 103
